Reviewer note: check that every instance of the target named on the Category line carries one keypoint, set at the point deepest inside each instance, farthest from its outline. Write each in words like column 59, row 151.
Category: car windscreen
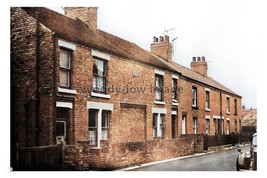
column 254, row 141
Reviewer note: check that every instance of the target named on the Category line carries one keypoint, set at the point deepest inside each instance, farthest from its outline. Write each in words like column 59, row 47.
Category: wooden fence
column 218, row 140
column 40, row 158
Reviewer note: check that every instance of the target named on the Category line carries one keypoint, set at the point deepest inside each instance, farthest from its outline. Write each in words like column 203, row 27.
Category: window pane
column 99, row 67
column 64, row 77
column 105, row 118
column 161, row 122
column 158, row 95
column 99, row 84
column 60, row 128
column 64, row 59
column 93, row 117
column 155, row 117
column 92, row 136
column 174, row 88
column 104, row 134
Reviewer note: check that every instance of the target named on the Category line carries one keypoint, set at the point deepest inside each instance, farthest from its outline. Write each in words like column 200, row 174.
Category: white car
column 248, row 160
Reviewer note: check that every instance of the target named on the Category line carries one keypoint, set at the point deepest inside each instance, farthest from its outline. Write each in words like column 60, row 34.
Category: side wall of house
column 23, row 73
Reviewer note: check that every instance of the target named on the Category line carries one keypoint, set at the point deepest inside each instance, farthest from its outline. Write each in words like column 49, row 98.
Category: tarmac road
column 216, row 161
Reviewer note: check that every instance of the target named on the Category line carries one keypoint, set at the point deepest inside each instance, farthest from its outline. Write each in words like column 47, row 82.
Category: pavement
column 227, row 147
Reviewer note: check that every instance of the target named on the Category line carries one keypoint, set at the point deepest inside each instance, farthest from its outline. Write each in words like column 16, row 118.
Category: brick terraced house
column 123, row 105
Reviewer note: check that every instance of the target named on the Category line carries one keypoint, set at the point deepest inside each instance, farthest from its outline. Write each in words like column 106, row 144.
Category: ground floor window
column 222, row 124
column 174, row 126
column 158, row 125
column 194, row 125
column 93, row 115
column 207, row 126
column 228, row 127
column 235, row 126
column 105, row 125
column 62, row 124
column 95, row 122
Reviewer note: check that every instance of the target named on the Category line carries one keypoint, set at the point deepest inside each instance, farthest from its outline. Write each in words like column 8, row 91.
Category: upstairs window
column 99, row 76
column 228, row 105
column 207, row 100
column 174, row 90
column 194, row 96
column 158, row 88
column 65, row 68
column 235, row 106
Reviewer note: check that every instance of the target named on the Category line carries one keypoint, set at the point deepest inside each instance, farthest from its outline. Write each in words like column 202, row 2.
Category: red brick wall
column 23, row 59
column 136, row 153
column 200, row 113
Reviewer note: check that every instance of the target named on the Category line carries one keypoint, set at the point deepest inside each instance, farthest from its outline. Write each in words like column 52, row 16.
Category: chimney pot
column 155, row 39
column 198, row 59
column 203, row 58
column 161, row 39
column 194, row 59
column 167, row 38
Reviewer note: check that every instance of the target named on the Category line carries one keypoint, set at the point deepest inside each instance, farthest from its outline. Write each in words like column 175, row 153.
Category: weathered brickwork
column 200, row 112
column 23, row 52
column 130, row 98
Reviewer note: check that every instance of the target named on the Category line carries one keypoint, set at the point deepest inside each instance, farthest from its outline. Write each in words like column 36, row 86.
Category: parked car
column 248, row 160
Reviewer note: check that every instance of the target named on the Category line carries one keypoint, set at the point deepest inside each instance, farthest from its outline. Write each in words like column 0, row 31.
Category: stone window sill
column 65, row 90
column 159, row 102
column 100, row 95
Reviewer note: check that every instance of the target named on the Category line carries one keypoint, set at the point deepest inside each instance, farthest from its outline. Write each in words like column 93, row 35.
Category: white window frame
column 207, row 102
column 228, row 105
column 194, row 96
column 174, row 100
column 228, row 126
column 158, row 129
column 67, row 69
column 159, row 113
column 208, row 125
column 100, row 107
column 194, row 125
column 184, row 117
column 159, row 90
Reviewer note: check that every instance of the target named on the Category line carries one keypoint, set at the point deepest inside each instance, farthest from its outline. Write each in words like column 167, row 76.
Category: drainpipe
column 37, row 69
column 54, row 82
column 220, row 109
column 26, row 105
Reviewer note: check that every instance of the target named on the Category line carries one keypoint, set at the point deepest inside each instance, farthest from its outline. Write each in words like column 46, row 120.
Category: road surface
column 217, row 161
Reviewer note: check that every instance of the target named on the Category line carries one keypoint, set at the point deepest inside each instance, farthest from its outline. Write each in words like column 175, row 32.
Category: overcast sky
column 226, row 35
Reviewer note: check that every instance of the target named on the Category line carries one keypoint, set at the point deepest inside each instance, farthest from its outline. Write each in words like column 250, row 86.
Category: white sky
column 227, row 35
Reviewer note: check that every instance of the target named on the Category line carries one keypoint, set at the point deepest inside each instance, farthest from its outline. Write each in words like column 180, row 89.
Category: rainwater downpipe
column 54, row 80
column 37, row 69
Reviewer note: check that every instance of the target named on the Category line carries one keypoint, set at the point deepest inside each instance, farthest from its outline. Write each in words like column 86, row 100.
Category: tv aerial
column 171, row 34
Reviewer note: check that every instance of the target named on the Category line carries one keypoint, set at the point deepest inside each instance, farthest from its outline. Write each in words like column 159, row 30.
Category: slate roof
column 202, row 79
column 76, row 31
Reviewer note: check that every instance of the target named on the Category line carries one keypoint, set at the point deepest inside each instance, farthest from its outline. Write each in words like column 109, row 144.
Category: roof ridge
column 210, row 79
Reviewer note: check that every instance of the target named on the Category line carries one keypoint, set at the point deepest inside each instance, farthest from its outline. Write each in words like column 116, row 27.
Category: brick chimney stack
column 199, row 65
column 86, row 14
column 162, row 47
